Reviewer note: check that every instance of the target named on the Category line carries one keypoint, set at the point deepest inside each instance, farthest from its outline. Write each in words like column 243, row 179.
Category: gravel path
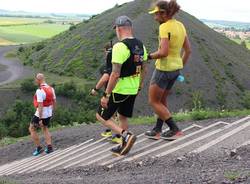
column 204, row 168
column 11, row 69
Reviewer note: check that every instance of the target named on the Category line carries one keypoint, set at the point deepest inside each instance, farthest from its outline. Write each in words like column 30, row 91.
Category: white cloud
column 218, row 9
column 210, row 9
column 60, row 6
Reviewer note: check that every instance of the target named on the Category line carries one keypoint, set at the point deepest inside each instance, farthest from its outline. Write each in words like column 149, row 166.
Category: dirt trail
column 12, row 69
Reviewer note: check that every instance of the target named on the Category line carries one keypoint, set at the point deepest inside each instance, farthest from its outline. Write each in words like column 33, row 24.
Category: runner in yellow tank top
column 175, row 32
column 172, row 39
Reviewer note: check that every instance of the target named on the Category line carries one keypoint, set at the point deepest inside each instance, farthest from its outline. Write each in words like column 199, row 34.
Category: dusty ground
column 198, row 169
column 11, row 69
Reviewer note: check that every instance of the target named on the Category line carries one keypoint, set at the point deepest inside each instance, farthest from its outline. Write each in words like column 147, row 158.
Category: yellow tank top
column 176, row 33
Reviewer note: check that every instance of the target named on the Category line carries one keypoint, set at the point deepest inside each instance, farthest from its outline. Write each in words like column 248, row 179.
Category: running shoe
column 117, row 150
column 172, row 135
column 107, row 133
column 117, row 139
column 127, row 143
column 38, row 151
column 48, row 149
column 152, row 134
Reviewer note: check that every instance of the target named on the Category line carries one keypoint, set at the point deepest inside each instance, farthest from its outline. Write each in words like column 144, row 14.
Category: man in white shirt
column 44, row 102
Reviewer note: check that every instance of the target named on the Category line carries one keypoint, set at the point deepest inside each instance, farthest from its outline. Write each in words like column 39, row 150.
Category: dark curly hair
column 171, row 7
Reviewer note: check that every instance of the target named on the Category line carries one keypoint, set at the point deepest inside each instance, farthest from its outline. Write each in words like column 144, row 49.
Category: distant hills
column 8, row 13
column 227, row 24
column 217, row 75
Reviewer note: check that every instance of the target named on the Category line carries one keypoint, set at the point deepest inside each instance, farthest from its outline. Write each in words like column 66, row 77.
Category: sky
column 207, row 9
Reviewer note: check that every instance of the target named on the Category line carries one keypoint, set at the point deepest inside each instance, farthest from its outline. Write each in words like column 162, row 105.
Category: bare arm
column 143, row 74
column 103, row 80
column 54, row 105
column 162, row 51
column 187, row 50
column 40, row 109
column 116, row 71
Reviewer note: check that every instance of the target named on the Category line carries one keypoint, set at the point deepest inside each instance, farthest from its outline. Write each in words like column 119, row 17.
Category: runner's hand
column 104, row 102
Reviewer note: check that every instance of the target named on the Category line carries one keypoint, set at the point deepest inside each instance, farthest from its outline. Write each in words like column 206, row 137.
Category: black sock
column 158, row 125
column 172, row 125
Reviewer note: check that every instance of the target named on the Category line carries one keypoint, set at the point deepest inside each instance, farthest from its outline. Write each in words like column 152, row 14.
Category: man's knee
column 99, row 118
column 122, row 118
column 45, row 128
column 32, row 128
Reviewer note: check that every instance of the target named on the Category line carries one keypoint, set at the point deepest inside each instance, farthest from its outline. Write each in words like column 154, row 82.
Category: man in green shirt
column 126, row 79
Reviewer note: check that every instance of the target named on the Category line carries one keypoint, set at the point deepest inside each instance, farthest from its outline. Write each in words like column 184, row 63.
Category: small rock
column 233, row 152
column 110, row 166
column 238, row 158
column 139, row 164
column 179, row 159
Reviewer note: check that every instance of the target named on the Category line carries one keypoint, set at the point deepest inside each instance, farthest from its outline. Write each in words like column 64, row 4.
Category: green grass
column 11, row 140
column 232, row 176
column 15, row 30
column 30, row 33
column 11, row 54
column 239, row 42
column 194, row 116
column 3, row 181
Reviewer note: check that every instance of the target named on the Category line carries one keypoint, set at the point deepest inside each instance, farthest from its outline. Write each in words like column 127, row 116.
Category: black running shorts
column 35, row 121
column 123, row 104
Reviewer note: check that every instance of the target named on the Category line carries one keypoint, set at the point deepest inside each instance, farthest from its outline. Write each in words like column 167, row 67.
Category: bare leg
column 110, row 124
column 47, row 135
column 34, row 135
column 156, row 100
column 123, row 122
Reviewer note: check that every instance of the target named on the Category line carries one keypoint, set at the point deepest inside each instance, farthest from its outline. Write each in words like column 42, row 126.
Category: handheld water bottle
column 180, row 78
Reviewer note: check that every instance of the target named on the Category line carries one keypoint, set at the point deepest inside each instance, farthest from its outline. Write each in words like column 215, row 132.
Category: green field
column 239, row 42
column 25, row 30
column 6, row 21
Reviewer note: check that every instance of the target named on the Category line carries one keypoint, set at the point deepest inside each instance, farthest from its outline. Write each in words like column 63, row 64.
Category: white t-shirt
column 41, row 96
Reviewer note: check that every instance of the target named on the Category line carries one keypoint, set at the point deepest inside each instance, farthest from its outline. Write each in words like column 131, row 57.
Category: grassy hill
column 217, row 74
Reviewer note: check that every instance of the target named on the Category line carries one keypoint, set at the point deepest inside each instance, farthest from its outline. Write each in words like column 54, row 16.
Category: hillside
column 217, row 74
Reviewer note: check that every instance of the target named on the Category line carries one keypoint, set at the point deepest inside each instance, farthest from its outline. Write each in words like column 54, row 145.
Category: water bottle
column 180, row 78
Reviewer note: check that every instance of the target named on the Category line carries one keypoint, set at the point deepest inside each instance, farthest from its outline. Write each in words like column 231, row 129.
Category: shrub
column 17, row 118
column 20, row 49
column 39, row 46
column 28, row 85
column 197, row 100
column 246, row 99
column 67, row 89
column 72, row 27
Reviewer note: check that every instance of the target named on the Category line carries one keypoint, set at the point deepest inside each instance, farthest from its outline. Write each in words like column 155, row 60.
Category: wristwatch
column 106, row 95
column 149, row 56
